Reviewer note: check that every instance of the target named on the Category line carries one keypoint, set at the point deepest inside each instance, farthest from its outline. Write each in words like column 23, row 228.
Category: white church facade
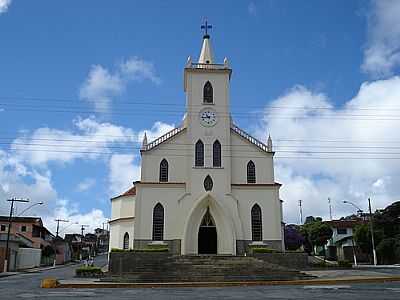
column 207, row 186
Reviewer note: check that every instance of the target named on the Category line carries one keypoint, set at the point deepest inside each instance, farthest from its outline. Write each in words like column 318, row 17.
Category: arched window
column 126, row 241
column 164, row 171
column 208, row 93
column 199, row 154
column 251, row 172
column 208, row 183
column 158, row 222
column 217, row 154
column 256, row 223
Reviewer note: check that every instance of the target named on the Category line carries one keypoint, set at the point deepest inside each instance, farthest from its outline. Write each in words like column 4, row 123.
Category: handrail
column 162, row 139
column 248, row 137
column 209, row 66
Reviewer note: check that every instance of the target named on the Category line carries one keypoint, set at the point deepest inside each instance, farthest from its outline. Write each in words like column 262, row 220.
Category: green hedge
column 88, row 272
column 345, row 264
column 148, row 249
column 263, row 250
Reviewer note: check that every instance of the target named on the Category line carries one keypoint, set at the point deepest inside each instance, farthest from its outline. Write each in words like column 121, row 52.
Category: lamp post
column 359, row 210
column 37, row 203
column 12, row 200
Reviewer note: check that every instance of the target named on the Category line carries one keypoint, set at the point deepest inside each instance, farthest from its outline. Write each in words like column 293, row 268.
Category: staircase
column 201, row 268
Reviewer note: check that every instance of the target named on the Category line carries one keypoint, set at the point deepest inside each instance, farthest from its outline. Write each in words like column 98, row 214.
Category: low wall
column 129, row 262
column 28, row 258
column 292, row 260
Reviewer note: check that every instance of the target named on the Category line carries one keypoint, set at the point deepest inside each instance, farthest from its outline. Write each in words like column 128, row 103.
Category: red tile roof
column 130, row 192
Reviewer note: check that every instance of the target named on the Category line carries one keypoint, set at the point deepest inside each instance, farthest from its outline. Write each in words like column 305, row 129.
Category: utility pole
column 58, row 224
column 301, row 212
column 12, row 200
column 82, row 230
column 330, row 208
column 371, row 226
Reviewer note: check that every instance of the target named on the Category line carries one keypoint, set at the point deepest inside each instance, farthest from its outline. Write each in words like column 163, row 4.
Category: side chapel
column 207, row 186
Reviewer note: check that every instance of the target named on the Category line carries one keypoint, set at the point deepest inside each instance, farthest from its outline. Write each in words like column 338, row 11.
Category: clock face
column 208, row 117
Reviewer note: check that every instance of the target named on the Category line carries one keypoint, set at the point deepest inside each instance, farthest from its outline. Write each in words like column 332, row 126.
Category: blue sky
column 106, row 71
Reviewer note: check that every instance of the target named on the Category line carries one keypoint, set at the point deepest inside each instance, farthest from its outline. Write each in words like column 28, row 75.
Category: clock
column 208, row 117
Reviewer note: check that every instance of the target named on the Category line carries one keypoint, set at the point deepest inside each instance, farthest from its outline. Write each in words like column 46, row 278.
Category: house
column 342, row 245
column 207, row 186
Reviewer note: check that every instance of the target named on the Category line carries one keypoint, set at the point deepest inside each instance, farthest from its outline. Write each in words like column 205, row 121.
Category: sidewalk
column 38, row 269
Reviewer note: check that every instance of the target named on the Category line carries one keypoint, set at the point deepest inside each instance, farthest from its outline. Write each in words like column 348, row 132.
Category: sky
column 81, row 81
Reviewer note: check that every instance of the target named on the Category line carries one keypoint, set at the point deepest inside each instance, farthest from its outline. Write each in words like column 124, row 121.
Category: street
column 27, row 286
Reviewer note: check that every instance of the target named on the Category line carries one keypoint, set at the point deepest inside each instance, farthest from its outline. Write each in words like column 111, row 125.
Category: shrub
column 263, row 250
column 152, row 248
column 345, row 264
column 88, row 272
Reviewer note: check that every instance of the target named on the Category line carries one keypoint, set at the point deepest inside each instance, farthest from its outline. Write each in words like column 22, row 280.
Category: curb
column 229, row 283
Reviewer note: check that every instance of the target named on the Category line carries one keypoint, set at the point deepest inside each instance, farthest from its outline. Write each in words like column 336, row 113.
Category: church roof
column 130, row 192
column 260, row 145
column 162, row 139
column 206, row 54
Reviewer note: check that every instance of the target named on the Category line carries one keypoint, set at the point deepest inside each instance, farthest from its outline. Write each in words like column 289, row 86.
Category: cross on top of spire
column 205, row 27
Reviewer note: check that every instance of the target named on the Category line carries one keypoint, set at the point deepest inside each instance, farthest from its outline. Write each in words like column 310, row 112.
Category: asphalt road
column 27, row 286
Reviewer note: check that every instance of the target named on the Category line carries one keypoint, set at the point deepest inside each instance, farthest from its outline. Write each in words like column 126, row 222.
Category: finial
column 205, row 27
column 144, row 143
column 226, row 63
column 269, row 144
column 189, row 62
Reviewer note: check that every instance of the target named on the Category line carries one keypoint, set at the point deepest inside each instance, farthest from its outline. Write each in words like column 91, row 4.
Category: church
column 207, row 186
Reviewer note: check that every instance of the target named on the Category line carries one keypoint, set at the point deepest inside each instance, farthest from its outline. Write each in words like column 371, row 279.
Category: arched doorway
column 207, row 239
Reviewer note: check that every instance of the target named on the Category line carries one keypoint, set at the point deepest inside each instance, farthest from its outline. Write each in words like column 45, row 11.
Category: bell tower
column 207, row 119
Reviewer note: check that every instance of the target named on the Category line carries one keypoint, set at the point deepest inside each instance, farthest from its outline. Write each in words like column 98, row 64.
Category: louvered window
column 217, row 154
column 256, row 223
column 164, row 171
column 158, row 222
column 199, row 154
column 126, row 241
column 251, row 172
column 208, row 93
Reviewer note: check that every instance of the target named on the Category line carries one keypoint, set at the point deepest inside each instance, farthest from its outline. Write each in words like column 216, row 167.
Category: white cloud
column 382, row 54
column 157, row 130
column 4, row 4
column 123, row 172
column 252, row 9
column 314, row 180
column 89, row 140
column 86, row 184
column 102, row 85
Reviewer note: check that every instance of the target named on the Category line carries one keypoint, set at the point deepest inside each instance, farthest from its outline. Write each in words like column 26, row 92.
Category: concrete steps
column 172, row 268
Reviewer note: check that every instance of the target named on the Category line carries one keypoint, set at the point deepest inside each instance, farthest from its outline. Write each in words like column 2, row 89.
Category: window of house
column 23, row 228
column 164, row 171
column 199, row 154
column 126, row 241
column 158, row 222
column 217, row 154
column 256, row 223
column 208, row 93
column 251, row 172
column 3, row 228
column 342, row 231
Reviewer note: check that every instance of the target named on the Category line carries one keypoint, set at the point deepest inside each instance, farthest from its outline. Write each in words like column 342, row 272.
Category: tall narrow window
column 199, row 154
column 164, row 171
column 216, row 154
column 158, row 222
column 126, row 241
column 256, row 223
column 208, row 93
column 251, row 172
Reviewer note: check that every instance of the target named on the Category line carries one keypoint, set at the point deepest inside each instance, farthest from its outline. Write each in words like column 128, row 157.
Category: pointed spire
column 189, row 62
column 144, row 143
column 226, row 63
column 269, row 143
column 206, row 54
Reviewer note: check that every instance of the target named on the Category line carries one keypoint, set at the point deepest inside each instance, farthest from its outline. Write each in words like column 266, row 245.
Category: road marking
column 332, row 287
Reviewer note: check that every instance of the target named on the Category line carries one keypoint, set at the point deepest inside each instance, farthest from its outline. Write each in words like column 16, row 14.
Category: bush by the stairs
column 344, row 264
column 263, row 250
column 149, row 248
column 88, row 272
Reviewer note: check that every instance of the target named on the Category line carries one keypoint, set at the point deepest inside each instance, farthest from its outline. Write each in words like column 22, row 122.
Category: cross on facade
column 205, row 27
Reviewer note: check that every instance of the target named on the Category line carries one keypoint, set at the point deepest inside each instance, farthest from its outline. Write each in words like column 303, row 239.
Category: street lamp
column 37, row 203
column 359, row 210
column 12, row 200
